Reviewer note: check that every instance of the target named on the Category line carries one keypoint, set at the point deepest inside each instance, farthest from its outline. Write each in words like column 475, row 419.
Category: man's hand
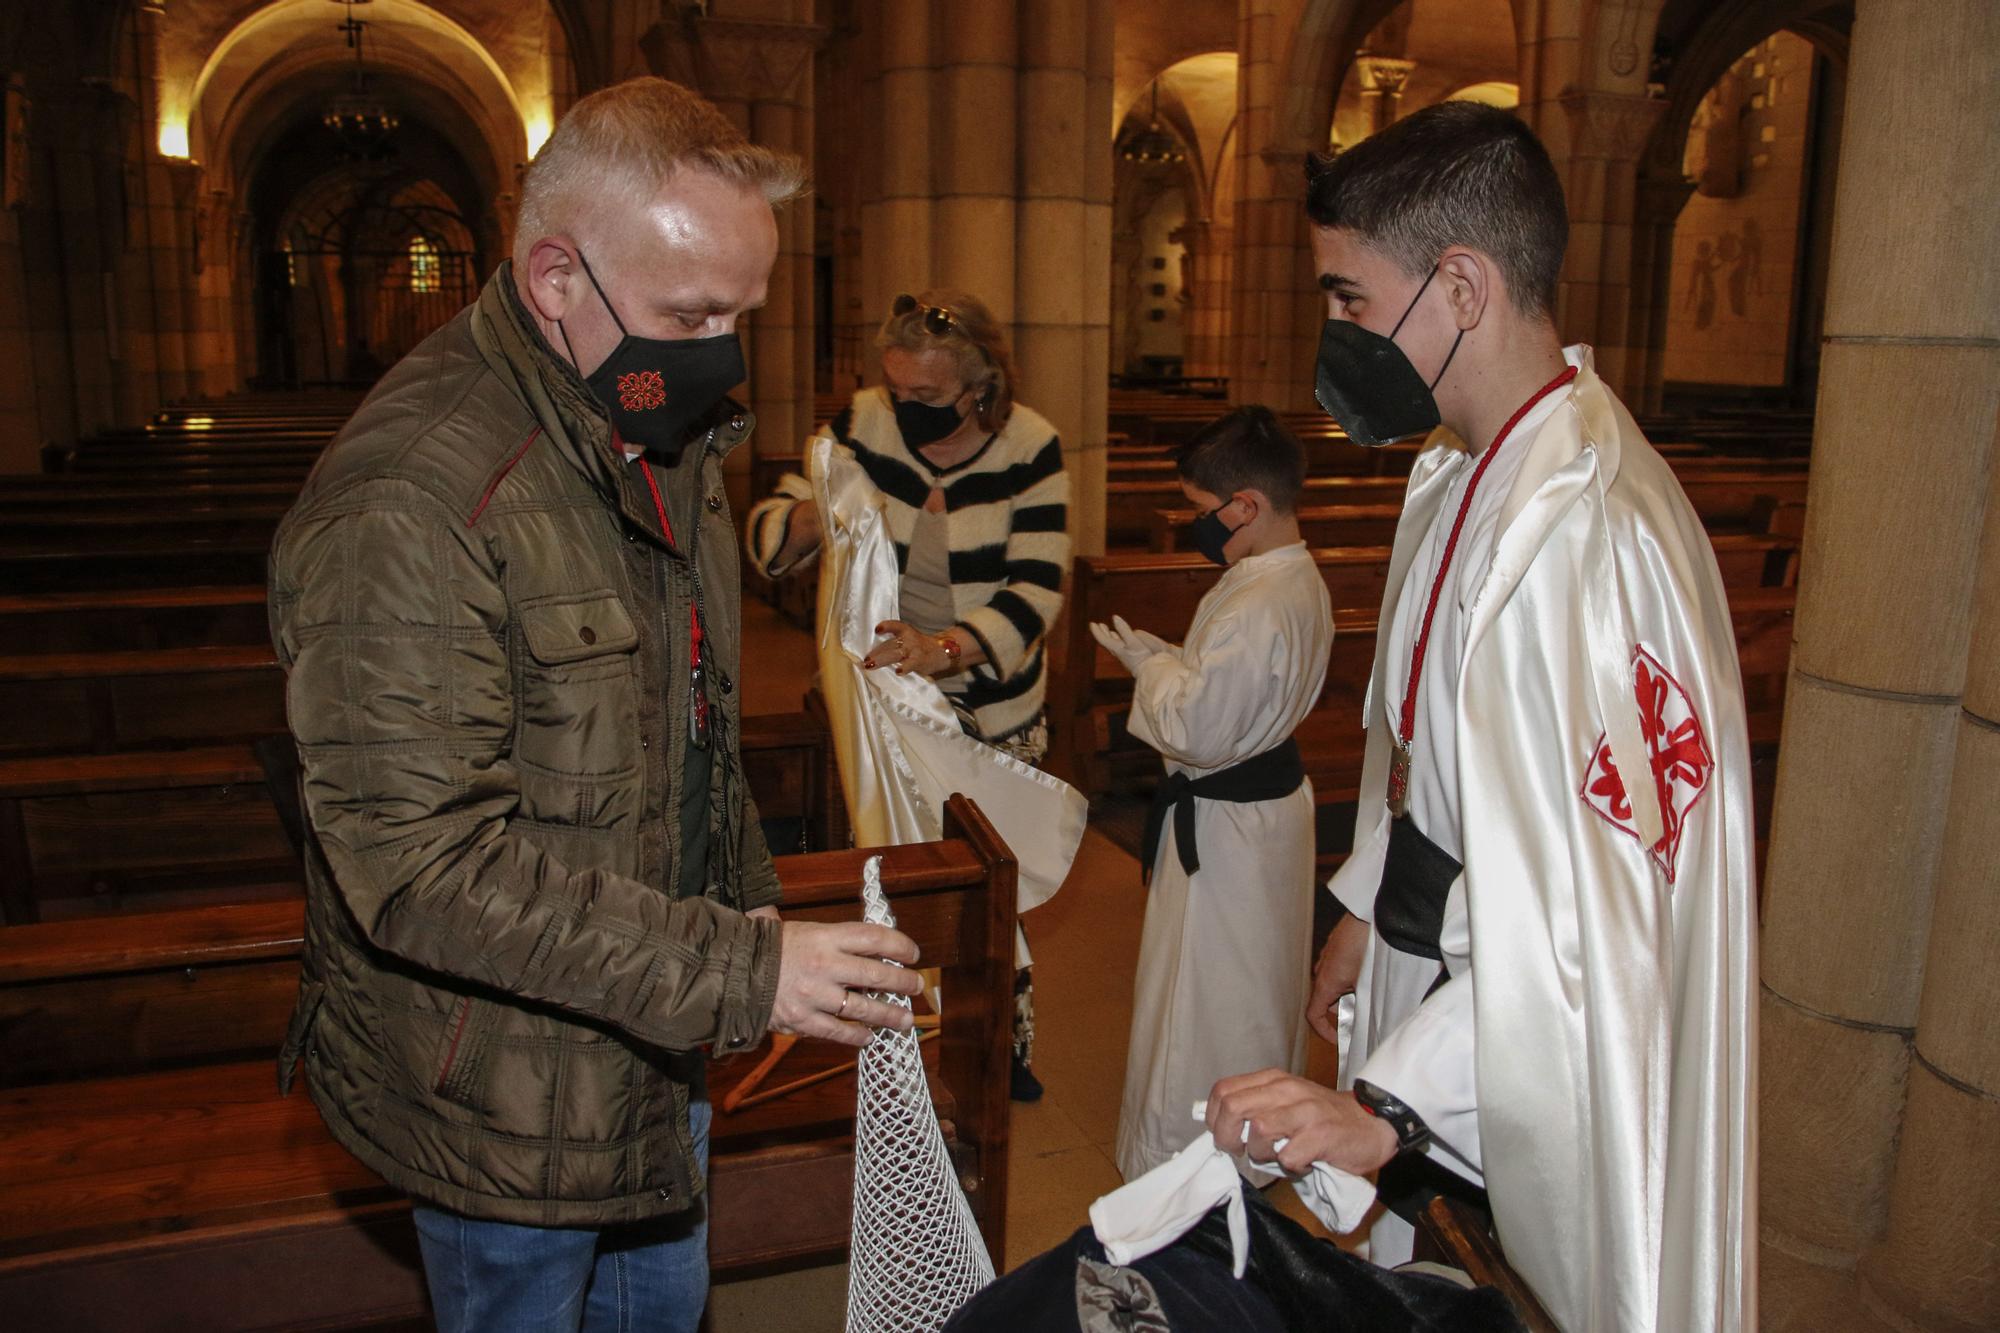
column 823, row 972
column 1315, row 1123
column 1336, row 974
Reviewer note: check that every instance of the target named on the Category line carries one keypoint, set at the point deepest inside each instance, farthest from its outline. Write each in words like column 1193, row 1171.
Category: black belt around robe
column 1276, row 773
column 1417, row 876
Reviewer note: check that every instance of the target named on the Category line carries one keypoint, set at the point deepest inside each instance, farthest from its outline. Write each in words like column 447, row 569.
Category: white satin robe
column 1594, row 1050
column 1225, row 957
column 900, row 747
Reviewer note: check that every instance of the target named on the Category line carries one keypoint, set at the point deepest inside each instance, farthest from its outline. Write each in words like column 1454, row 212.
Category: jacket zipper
column 701, row 717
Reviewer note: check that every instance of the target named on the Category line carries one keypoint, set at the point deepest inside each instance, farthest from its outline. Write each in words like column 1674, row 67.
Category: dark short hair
column 1247, row 450
column 1458, row 173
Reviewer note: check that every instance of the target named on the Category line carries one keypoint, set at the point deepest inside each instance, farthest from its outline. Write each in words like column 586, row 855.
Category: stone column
column 1661, row 198
column 896, row 225
column 1276, row 309
column 976, row 218
column 1383, row 79
column 1063, row 242
column 990, row 126
column 1881, row 1068
column 759, row 72
column 1087, row 458
column 1607, row 132
column 843, row 160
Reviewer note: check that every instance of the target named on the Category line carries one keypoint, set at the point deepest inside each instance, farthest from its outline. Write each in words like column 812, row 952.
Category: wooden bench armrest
column 1453, row 1233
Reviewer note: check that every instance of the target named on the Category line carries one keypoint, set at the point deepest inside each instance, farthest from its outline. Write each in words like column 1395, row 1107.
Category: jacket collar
column 565, row 408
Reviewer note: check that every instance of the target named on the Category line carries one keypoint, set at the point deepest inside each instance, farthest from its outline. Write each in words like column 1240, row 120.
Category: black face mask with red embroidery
column 656, row 389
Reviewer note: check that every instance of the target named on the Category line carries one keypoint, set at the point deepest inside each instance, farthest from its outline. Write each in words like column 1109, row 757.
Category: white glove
column 1130, row 646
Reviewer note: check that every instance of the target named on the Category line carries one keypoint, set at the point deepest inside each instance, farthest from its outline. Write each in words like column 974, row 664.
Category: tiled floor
column 1085, row 941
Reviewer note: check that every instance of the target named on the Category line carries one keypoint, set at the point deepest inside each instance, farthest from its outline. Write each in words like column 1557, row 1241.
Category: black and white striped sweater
column 1007, row 519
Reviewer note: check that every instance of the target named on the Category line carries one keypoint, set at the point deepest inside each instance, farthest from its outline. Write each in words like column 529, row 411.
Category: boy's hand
column 1130, row 646
column 1336, row 974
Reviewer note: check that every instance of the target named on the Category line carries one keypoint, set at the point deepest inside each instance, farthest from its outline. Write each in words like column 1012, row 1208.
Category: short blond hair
column 626, row 142
column 976, row 342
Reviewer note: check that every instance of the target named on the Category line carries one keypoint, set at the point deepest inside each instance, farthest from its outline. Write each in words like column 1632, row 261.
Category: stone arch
column 1700, row 40
column 1329, row 34
column 1705, row 39
column 1198, row 104
column 288, row 41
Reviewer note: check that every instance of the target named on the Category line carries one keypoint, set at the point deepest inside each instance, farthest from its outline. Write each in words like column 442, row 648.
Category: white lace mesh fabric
column 917, row 1254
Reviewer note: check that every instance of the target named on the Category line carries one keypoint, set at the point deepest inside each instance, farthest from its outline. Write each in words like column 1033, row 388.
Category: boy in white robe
column 1224, row 958
column 1567, row 1018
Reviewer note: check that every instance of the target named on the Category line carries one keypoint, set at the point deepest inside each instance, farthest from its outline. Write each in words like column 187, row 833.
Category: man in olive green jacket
column 507, row 605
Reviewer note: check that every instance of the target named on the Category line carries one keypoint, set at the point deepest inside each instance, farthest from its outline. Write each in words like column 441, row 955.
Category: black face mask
column 656, row 388
column 1366, row 383
column 923, row 424
column 1210, row 534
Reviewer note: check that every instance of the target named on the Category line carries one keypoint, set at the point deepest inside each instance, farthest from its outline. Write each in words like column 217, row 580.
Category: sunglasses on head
column 938, row 321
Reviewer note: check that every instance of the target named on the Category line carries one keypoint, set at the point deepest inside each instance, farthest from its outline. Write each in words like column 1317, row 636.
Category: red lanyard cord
column 667, row 529
column 1406, row 728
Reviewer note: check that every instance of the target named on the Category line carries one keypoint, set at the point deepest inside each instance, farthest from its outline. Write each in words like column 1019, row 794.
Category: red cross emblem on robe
column 1681, row 760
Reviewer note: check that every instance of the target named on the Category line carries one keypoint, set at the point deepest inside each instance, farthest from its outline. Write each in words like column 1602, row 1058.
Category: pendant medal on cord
column 1399, row 780
column 1398, row 794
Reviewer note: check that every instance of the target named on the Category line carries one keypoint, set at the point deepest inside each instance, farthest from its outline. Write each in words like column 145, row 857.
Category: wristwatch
column 1411, row 1131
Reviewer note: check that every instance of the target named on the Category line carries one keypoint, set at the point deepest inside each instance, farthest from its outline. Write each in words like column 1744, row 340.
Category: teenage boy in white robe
column 1225, row 954
column 1560, row 1010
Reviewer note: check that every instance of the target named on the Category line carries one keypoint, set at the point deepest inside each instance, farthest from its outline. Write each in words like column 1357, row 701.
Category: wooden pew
column 151, row 1177
column 121, row 563
column 1129, row 505
column 31, row 528
column 133, row 618
column 83, row 835
column 1160, row 592
column 95, row 833
column 61, row 492
column 104, row 702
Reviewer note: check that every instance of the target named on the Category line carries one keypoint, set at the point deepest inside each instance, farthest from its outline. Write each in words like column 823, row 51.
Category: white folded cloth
column 1163, row 1205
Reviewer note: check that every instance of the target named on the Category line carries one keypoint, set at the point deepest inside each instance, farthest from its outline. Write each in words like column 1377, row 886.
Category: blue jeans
column 499, row 1277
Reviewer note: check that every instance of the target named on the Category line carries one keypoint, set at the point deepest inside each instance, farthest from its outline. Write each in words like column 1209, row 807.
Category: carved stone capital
column 1386, row 75
column 734, row 60
column 1612, row 126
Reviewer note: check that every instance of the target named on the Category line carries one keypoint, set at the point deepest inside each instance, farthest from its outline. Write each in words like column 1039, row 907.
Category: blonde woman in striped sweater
column 977, row 504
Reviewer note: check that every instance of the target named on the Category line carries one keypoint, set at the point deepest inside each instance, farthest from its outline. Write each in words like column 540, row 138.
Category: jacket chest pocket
column 577, row 711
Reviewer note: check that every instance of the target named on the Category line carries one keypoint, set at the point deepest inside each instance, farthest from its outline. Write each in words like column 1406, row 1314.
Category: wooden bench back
column 1160, row 593
column 128, row 619
column 92, row 834
column 142, row 1137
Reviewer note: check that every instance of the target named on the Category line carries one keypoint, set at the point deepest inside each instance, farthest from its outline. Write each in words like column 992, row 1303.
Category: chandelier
column 360, row 118
column 1153, row 145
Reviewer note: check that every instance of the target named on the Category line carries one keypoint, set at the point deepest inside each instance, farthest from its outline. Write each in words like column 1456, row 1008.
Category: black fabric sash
column 1416, row 878
column 1276, row 773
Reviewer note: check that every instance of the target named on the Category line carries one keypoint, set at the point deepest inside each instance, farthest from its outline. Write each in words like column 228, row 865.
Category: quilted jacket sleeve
column 391, row 620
